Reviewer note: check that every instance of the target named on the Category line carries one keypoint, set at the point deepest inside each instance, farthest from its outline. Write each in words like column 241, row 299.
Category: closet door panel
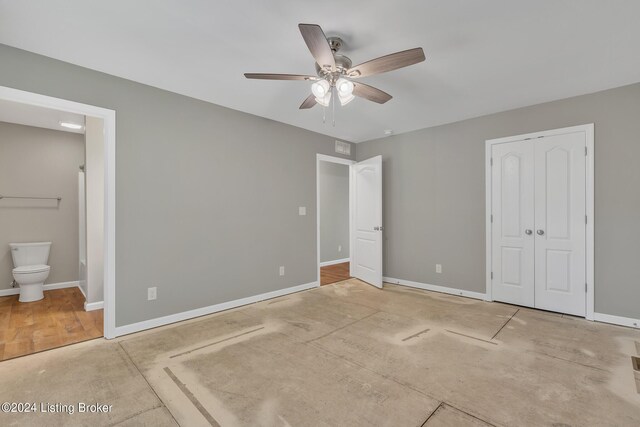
column 513, row 218
column 560, row 168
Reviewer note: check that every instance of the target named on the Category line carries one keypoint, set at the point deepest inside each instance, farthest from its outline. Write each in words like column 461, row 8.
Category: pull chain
column 324, row 114
column 333, row 105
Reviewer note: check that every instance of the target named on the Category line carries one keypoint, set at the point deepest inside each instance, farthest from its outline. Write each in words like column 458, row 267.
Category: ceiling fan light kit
column 335, row 72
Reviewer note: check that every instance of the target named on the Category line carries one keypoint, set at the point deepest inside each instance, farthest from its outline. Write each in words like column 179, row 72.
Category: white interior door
column 513, row 223
column 560, row 195
column 366, row 257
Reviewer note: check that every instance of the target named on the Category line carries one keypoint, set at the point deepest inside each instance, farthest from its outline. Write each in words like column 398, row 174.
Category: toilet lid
column 31, row 269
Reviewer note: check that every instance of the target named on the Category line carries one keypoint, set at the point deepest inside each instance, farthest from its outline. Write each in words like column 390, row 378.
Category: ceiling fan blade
column 371, row 93
column 387, row 63
column 309, row 102
column 318, row 45
column 267, row 76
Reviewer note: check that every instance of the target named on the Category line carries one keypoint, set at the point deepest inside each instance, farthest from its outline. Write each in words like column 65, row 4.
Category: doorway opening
column 334, row 219
column 57, row 211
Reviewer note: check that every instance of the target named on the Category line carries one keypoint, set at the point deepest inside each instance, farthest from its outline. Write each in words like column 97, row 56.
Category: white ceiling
column 29, row 115
column 482, row 56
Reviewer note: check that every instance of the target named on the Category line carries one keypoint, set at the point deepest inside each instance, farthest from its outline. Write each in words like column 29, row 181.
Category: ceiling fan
column 335, row 71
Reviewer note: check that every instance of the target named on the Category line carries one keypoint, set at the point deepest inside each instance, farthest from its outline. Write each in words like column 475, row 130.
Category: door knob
column 540, row 232
column 528, row 232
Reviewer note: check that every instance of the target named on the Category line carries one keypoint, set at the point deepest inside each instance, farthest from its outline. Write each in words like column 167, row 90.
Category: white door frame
column 588, row 129
column 109, row 118
column 331, row 159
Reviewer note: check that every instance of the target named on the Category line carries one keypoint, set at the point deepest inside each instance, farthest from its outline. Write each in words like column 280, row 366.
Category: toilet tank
column 30, row 253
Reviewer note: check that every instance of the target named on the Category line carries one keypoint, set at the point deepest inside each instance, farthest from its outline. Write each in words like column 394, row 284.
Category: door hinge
column 585, row 288
column 585, row 151
column 492, row 218
column 585, row 219
column 491, row 161
column 492, row 275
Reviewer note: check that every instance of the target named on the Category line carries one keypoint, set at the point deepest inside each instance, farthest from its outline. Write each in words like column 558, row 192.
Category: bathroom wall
column 40, row 162
column 334, row 211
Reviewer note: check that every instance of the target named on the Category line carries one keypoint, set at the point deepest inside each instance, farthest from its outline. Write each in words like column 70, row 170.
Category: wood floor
column 334, row 273
column 55, row 321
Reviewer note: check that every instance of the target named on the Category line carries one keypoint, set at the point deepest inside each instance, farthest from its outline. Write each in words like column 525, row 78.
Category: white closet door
column 560, row 189
column 513, row 222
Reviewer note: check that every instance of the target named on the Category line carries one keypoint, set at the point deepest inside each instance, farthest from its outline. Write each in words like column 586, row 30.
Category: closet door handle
column 528, row 232
column 540, row 232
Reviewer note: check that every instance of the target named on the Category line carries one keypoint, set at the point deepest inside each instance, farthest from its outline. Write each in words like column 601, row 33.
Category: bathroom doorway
column 57, row 215
column 334, row 207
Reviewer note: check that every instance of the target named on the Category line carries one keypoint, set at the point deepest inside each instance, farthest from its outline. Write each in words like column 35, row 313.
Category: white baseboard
column 161, row 321
column 435, row 288
column 90, row 306
column 617, row 320
column 47, row 287
column 334, row 262
column 598, row 317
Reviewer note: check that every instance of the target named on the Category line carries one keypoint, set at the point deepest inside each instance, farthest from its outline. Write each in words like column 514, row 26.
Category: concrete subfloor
column 344, row 354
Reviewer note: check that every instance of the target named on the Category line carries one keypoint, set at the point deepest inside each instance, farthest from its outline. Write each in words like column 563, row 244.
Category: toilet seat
column 26, row 269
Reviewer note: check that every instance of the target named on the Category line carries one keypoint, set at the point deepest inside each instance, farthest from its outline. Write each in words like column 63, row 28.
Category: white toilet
column 31, row 269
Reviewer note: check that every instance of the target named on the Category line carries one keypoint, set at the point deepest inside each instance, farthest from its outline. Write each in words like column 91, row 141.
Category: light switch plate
column 302, row 210
column 282, row 270
column 438, row 268
column 152, row 293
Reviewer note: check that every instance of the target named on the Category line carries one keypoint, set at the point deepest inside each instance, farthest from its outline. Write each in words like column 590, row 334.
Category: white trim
column 82, row 292
column 178, row 317
column 109, row 117
column 590, row 212
column 46, row 287
column 334, row 262
column 588, row 129
column 330, row 159
column 435, row 288
column 90, row 306
column 617, row 320
column 488, row 204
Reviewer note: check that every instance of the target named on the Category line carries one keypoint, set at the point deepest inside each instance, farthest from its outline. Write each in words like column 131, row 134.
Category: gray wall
column 40, row 162
column 334, row 211
column 206, row 197
column 434, row 194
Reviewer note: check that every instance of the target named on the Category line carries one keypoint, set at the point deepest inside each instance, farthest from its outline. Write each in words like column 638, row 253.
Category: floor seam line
column 386, row 377
column 147, row 381
column 340, row 328
column 431, row 415
column 572, row 361
column 471, row 415
column 217, row 342
column 136, row 414
column 192, row 398
column 505, row 324
column 472, row 337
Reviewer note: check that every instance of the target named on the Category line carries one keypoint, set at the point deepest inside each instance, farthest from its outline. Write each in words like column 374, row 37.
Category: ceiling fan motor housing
column 343, row 63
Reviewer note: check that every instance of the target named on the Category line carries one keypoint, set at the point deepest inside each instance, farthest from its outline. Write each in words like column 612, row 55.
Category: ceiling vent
column 343, row 148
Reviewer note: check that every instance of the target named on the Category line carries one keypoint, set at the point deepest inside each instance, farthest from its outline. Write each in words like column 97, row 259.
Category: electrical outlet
column 302, row 210
column 438, row 268
column 282, row 270
column 339, row 248
column 152, row 293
